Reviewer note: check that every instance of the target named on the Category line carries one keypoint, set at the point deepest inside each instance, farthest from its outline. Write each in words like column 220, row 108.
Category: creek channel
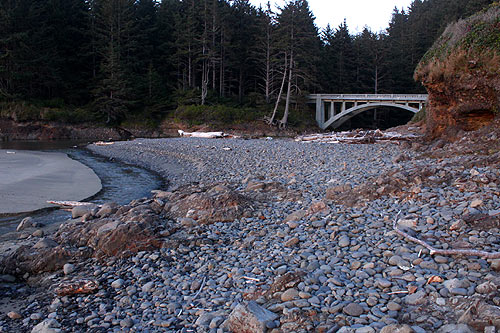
column 121, row 183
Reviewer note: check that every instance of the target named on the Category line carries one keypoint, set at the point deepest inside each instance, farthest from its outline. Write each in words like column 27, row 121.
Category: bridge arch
column 344, row 116
column 328, row 115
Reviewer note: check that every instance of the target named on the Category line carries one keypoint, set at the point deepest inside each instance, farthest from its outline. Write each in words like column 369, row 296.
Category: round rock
column 353, row 309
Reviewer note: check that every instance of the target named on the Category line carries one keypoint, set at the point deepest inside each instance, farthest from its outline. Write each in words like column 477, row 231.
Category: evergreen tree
column 121, row 56
column 242, row 37
column 367, row 62
column 143, row 71
column 399, row 44
column 339, row 57
column 164, row 59
column 264, row 52
column 115, row 35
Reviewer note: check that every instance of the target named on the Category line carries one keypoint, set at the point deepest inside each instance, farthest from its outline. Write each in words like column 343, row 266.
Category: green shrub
column 201, row 114
column 71, row 116
column 19, row 111
column 419, row 116
column 24, row 112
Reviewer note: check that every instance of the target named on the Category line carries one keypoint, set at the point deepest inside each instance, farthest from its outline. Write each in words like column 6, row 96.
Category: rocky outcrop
column 169, row 219
column 460, row 73
column 132, row 228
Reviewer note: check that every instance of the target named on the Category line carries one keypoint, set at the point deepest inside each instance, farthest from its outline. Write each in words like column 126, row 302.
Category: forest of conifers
column 121, row 57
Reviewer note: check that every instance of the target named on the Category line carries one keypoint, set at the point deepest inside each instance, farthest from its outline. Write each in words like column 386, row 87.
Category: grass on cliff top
column 469, row 43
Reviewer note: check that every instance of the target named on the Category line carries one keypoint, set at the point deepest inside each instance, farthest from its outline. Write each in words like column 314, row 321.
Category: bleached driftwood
column 71, row 204
column 206, row 135
column 356, row 137
column 452, row 252
column 102, row 143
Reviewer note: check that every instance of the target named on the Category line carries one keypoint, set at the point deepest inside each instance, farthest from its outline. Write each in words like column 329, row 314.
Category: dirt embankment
column 461, row 74
column 11, row 130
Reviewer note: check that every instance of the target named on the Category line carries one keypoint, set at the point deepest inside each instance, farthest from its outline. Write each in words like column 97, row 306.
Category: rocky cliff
column 461, row 73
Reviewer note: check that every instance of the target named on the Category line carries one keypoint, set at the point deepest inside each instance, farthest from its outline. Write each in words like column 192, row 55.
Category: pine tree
column 370, row 60
column 242, row 37
column 142, row 67
column 264, row 52
column 164, row 59
column 114, row 27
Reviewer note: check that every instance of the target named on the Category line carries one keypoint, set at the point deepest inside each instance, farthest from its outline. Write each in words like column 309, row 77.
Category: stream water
column 121, row 183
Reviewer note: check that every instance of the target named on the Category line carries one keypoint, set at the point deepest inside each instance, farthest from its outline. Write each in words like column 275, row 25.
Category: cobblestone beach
column 313, row 247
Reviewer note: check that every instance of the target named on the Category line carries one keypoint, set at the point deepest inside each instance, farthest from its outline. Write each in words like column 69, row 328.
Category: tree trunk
column 240, row 86
column 204, row 82
column 150, row 81
column 221, row 68
column 271, row 120
column 268, row 69
column 205, row 54
column 284, row 120
column 190, row 70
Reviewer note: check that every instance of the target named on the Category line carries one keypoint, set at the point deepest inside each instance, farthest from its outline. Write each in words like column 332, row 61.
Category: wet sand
column 28, row 179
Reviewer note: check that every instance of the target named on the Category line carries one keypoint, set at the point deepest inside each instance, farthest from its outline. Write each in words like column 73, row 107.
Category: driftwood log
column 206, row 135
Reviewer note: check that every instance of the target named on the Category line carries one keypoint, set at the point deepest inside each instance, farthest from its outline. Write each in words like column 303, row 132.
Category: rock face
column 113, row 231
column 459, row 73
column 136, row 230
column 250, row 317
column 131, row 229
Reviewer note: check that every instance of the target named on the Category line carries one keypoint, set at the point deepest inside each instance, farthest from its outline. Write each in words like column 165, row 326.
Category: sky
column 375, row 14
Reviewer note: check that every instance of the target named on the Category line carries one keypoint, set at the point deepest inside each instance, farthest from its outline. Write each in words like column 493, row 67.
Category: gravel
column 356, row 271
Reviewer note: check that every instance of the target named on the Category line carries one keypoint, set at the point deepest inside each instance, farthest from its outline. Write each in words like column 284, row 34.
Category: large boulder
column 34, row 260
column 130, row 230
column 207, row 205
column 136, row 229
column 250, row 317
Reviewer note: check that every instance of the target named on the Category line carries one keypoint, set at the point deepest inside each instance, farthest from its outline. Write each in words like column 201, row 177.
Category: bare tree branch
column 433, row 250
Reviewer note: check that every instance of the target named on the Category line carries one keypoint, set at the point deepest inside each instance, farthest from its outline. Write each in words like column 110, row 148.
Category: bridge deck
column 368, row 97
column 353, row 104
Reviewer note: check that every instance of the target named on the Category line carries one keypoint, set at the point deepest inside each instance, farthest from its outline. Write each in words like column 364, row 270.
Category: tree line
column 120, row 57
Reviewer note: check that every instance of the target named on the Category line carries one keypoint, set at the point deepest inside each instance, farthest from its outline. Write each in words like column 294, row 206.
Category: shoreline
column 28, row 179
column 242, row 215
column 45, row 217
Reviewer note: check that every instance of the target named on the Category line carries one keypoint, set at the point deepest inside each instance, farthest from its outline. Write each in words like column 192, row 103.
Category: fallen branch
column 199, row 290
column 250, row 278
column 433, row 250
column 357, row 137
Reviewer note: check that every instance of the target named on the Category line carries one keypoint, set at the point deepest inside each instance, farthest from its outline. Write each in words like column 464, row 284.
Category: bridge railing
column 370, row 97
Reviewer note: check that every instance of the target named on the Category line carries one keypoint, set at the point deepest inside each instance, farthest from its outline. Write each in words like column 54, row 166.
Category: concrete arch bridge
column 332, row 110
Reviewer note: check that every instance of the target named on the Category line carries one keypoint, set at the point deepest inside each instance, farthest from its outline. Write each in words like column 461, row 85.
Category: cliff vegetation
column 461, row 73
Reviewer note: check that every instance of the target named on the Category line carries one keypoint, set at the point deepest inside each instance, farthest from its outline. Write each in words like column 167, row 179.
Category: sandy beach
column 29, row 178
